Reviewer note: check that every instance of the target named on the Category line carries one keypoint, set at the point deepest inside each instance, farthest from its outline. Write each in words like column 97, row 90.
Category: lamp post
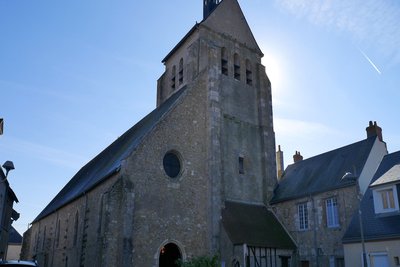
column 364, row 254
column 351, row 176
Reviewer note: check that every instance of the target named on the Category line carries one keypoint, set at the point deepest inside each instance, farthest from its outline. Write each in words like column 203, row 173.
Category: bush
column 202, row 261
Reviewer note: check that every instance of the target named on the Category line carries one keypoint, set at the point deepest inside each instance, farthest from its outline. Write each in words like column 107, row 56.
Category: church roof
column 254, row 225
column 375, row 227
column 323, row 172
column 109, row 161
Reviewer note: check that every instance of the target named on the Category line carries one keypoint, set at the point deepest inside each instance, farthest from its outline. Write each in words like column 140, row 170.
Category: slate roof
column 375, row 227
column 391, row 176
column 14, row 237
column 323, row 172
column 254, row 225
column 109, row 161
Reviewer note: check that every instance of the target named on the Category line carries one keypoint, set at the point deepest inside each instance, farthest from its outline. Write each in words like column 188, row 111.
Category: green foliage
column 202, row 261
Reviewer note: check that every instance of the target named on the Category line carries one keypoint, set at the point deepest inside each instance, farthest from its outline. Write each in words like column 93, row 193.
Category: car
column 18, row 263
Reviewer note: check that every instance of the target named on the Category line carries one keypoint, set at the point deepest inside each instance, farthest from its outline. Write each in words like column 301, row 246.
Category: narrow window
column 180, row 74
column 396, row 261
column 173, row 77
column 332, row 214
column 303, row 216
column 224, row 62
column 241, row 164
column 387, row 199
column 249, row 73
column 76, row 229
column 236, row 67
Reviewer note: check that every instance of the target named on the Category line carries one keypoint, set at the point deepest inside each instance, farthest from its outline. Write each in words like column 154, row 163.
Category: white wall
column 378, row 151
column 353, row 252
column 13, row 252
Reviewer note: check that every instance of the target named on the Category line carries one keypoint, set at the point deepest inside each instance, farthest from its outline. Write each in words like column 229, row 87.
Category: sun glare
column 274, row 71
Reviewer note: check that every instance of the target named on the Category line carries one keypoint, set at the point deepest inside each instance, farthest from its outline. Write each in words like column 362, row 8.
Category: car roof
column 18, row 262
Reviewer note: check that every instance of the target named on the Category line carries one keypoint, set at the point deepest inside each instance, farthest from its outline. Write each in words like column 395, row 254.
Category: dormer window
column 386, row 199
column 385, row 191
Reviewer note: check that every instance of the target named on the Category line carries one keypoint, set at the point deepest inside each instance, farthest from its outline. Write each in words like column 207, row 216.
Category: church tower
column 220, row 57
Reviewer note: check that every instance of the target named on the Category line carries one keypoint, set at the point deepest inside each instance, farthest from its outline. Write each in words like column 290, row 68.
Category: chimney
column 297, row 157
column 209, row 6
column 374, row 130
column 279, row 163
column 1, row 125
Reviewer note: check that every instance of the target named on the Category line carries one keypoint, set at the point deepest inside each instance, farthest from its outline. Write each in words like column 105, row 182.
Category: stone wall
column 168, row 209
column 319, row 240
column 69, row 236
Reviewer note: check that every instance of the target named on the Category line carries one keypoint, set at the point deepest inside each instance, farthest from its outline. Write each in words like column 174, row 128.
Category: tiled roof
column 323, row 172
column 254, row 225
column 109, row 161
column 375, row 227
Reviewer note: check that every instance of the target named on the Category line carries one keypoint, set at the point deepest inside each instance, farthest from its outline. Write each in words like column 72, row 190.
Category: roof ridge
column 335, row 150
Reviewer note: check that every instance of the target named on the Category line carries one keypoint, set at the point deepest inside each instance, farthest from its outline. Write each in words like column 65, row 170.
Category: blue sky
column 75, row 75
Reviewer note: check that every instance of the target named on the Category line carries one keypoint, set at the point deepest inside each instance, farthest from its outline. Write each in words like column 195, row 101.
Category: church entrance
column 169, row 254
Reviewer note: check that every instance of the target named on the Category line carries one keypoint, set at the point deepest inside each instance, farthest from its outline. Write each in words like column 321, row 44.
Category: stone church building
column 192, row 178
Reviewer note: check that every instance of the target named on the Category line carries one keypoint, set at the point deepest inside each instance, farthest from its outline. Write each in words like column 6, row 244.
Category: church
column 192, row 178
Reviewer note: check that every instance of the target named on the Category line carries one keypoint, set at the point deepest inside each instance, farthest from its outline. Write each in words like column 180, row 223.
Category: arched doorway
column 169, row 254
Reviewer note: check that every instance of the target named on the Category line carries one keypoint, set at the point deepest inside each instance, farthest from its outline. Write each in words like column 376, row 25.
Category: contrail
column 370, row 61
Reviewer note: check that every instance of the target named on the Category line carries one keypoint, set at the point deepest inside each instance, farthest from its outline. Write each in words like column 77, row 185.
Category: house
column 379, row 230
column 316, row 197
column 14, row 245
column 7, row 213
column 180, row 182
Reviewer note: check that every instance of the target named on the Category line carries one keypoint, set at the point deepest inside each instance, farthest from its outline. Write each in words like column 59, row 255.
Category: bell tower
column 209, row 6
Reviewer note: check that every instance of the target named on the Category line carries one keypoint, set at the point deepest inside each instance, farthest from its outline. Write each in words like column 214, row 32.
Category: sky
column 75, row 75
